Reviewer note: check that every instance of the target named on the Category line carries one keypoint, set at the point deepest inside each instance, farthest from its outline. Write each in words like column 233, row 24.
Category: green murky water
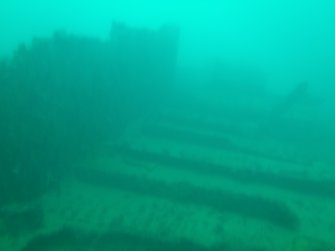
column 139, row 125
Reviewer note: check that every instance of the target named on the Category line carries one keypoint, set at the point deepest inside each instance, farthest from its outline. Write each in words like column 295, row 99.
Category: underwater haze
column 167, row 125
column 289, row 41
